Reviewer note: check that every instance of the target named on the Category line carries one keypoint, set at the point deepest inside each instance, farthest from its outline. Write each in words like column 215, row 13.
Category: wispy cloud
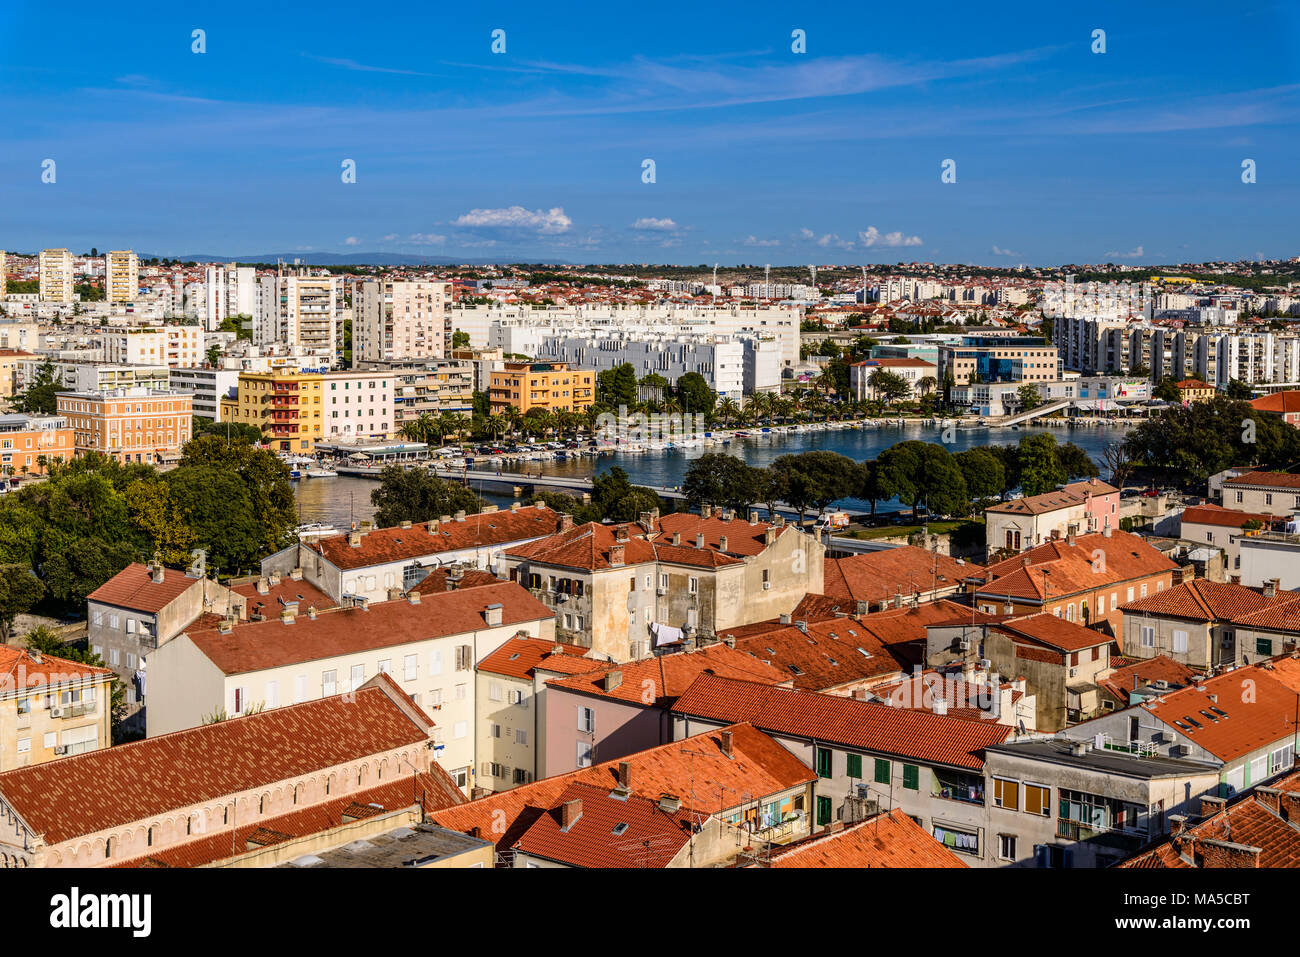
column 346, row 64
column 871, row 236
column 548, row 221
column 1134, row 253
column 651, row 224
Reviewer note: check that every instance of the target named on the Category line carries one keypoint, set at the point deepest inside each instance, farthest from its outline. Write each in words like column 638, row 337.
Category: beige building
column 402, row 320
column 427, row 644
column 1273, row 493
column 304, row 310
column 625, row 589
column 56, row 278
column 172, row 346
column 121, row 276
column 50, row 707
column 10, row 374
column 130, row 425
column 29, row 444
column 295, row 410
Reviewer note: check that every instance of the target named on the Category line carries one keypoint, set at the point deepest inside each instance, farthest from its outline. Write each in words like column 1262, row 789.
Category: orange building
column 1285, row 404
column 541, row 385
column 1194, row 390
column 130, row 425
column 9, row 359
column 29, row 443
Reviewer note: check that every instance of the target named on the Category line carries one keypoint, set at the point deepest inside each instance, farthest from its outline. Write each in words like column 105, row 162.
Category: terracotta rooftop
column 1047, row 629
column 485, row 529
column 1223, row 517
column 858, row 724
column 1058, row 568
column 20, row 669
column 518, row 658
column 659, row 680
column 878, row 576
column 1280, row 402
column 258, row 645
column 1120, row 682
column 97, row 790
column 1069, row 496
column 1261, row 479
column 1220, row 721
column 830, row 654
column 283, row 594
column 885, row 840
column 1202, row 600
column 133, row 588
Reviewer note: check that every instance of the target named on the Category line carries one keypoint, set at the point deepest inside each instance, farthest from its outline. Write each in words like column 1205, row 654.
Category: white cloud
column 516, row 217
column 352, row 241
column 1131, row 254
column 806, row 233
column 752, row 240
column 427, row 239
column 871, row 236
column 999, row 251
column 649, row 223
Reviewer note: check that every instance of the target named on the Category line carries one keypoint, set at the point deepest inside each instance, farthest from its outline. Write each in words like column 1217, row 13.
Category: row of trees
column 921, row 475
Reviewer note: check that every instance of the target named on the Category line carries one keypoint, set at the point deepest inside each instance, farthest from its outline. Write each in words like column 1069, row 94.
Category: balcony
column 1122, row 838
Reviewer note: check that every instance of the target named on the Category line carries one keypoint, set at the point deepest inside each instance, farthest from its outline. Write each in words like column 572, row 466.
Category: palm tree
column 496, row 424
column 927, row 384
column 728, row 410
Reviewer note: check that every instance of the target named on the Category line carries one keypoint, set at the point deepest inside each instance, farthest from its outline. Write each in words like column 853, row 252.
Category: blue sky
column 761, row 154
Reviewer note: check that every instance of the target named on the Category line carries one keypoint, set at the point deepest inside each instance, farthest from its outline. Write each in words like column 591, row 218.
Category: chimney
column 1024, row 560
column 616, row 554
column 706, row 511
column 406, row 524
column 263, row 586
column 648, row 519
column 1069, row 539
column 295, row 575
column 624, row 776
column 1211, row 806
column 769, row 536
column 1105, row 532
column 492, row 615
column 354, row 539
column 729, row 641
column 413, row 597
column 514, row 506
column 444, row 519
column 722, row 543
column 669, row 802
column 613, row 679
column 158, row 573
column 940, row 705
column 225, row 626
column 785, row 618
column 726, row 744
column 1078, row 748
column 1216, row 853
column 566, row 521
column 677, row 538
column 460, row 515
column 311, row 612
column 286, row 617
column 699, row 540
column 863, row 608
column 570, row 811
column 753, row 516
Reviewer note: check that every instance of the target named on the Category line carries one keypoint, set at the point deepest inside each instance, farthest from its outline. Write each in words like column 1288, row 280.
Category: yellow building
column 286, row 406
column 1194, row 390
column 541, row 385
column 121, row 276
column 50, row 707
column 9, row 369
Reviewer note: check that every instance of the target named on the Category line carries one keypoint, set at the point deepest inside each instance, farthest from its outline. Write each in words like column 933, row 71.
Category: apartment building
column 30, row 444
column 428, row 645
column 231, row 290
column 172, row 345
column 51, row 707
column 252, row 789
column 628, row 588
column 920, row 376
column 56, row 276
column 541, row 385
column 1269, row 493
column 1084, row 579
column 295, row 410
column 427, row 387
column 401, row 320
column 208, row 387
column 98, row 376
column 300, row 310
column 1077, row 508
column 130, row 425
column 121, row 276
column 11, row 370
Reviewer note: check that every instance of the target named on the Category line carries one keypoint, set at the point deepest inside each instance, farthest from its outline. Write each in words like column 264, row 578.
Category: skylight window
column 864, row 653
column 1192, row 721
column 620, row 829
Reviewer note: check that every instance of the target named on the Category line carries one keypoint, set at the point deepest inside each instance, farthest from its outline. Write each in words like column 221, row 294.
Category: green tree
column 234, row 431
column 219, row 513
column 717, row 478
column 695, row 395
column 816, row 479
column 1167, row 390
column 924, row 475
column 153, row 510
column 617, row 386
column 617, row 499
column 1075, row 462
column 261, row 472
column 1040, row 468
column 983, row 471
column 39, row 397
column 460, row 340
column 889, row 386
column 1029, row 397
column 769, row 488
column 19, row 591
column 416, row 495
column 873, row 488
column 1239, row 390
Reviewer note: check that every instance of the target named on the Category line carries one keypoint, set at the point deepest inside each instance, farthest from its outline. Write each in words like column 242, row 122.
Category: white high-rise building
column 2, row 275
column 121, row 276
column 56, row 275
column 401, row 320
column 299, row 310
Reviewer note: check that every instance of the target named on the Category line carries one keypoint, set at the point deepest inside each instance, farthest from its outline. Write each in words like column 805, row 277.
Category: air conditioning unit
column 985, row 664
column 61, row 749
column 964, row 644
column 661, row 590
column 766, row 586
column 56, row 712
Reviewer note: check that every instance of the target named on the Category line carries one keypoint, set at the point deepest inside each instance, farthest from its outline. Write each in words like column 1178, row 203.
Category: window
column 1006, row 847
column 435, row 662
column 517, row 697
column 460, row 692
column 386, row 666
column 825, row 762
column 824, row 811
column 239, row 700
column 1143, row 589
column 272, row 694
column 24, row 745
column 459, row 729
column 694, row 585
column 521, row 736
column 911, row 777
column 410, row 666
column 1263, row 646
column 1038, row 800
column 584, row 754
column 1180, row 641
column 494, row 690
column 1148, row 636
column 853, row 765
column 586, row 720
column 358, row 676
column 494, row 730
column 328, row 683
column 882, row 771
column 1006, row 794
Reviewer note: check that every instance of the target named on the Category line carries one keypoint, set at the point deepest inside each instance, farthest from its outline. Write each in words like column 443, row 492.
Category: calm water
column 339, row 500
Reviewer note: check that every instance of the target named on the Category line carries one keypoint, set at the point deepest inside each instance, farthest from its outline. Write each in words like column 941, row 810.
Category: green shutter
column 823, row 811
column 855, row 765
column 824, row 762
column 911, row 777
column 882, row 771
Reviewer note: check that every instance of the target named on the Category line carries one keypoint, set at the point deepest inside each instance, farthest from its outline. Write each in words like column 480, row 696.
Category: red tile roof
column 885, row 840
column 257, row 645
column 282, row 594
column 97, row 790
column 1223, row 517
column 1203, row 600
column 1280, row 402
column 1047, row 629
column 1070, row 496
column 830, row 654
column 485, row 529
column 878, row 576
column 518, row 658
column 1119, row 683
column 19, row 669
column 437, row 580
column 1250, row 723
column 1261, row 479
column 133, row 588
column 694, row 769
column 860, row 724
column 612, row 831
column 1061, row 569
column 659, row 680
